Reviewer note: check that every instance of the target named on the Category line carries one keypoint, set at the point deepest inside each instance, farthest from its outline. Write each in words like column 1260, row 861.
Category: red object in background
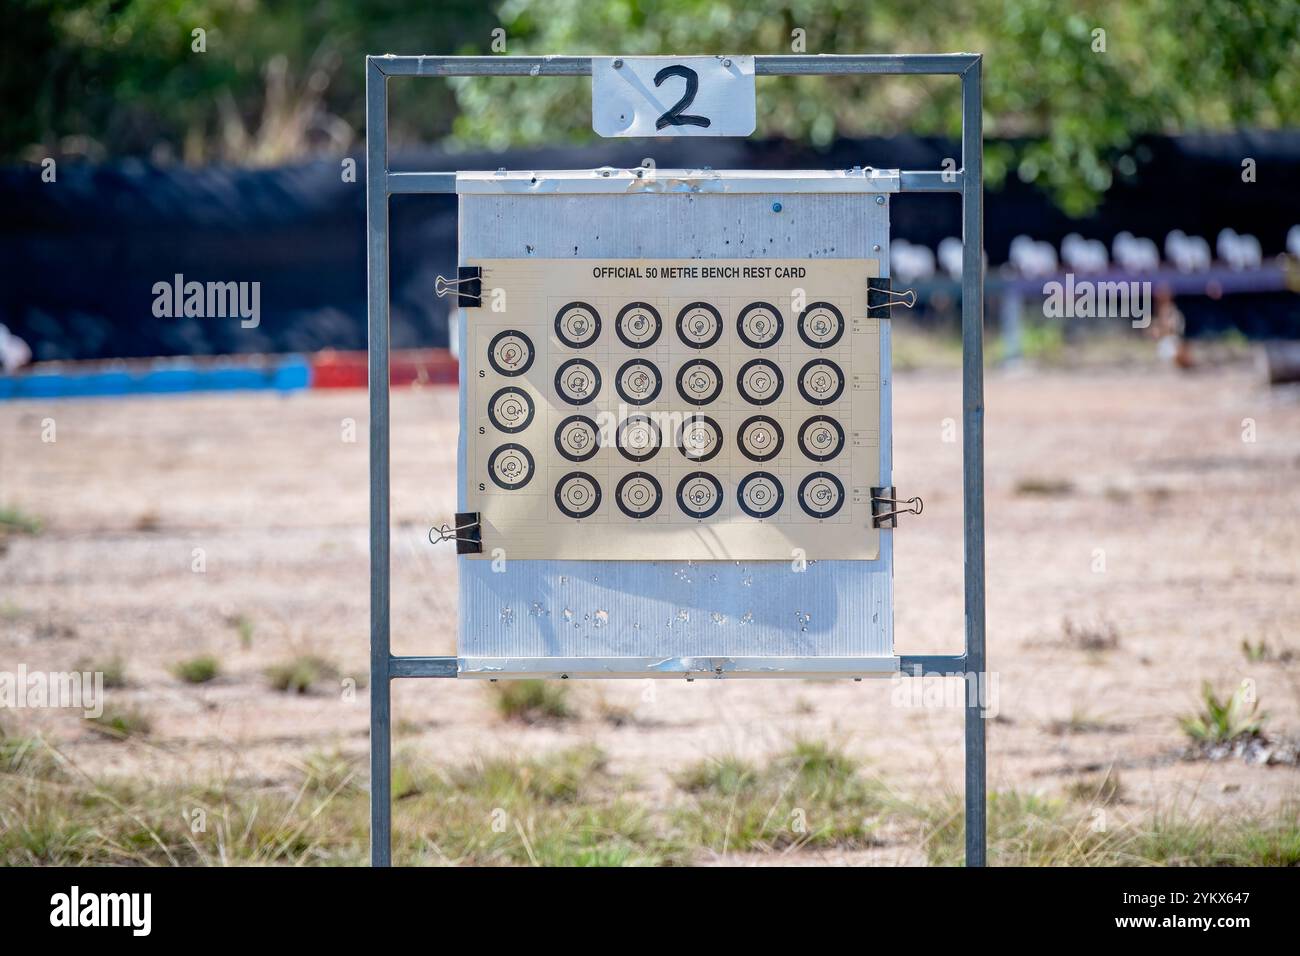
column 332, row 369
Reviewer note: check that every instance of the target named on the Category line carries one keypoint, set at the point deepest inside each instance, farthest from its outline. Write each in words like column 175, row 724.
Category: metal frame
column 381, row 183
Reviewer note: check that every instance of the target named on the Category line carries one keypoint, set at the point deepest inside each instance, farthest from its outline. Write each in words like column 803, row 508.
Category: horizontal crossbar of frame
column 908, row 181
column 812, row 65
column 908, row 665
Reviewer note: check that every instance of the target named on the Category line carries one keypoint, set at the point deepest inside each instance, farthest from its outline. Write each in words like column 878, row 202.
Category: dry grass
column 197, row 670
column 302, row 674
column 567, row 809
column 531, row 701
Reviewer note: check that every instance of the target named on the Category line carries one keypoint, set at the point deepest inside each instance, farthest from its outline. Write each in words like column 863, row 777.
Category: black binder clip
column 468, row 286
column 467, row 533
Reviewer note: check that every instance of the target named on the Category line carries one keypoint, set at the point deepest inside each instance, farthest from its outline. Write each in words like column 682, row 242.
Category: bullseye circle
column 699, row 382
column 510, row 467
column 821, row 325
column 577, row 438
column 760, row 494
column 638, row 494
column 759, row 325
column 699, row 438
column 760, row 381
column 577, row 325
column 699, row 325
column 638, row 325
column 699, row 495
column 821, row 382
column 821, row 495
column 821, row 438
column 577, row 381
column 638, row 382
column 760, row 438
column 511, row 409
column 511, row 353
column 577, row 494
column 639, row 438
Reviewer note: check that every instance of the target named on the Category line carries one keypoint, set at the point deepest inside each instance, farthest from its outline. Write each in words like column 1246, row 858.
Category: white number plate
column 672, row 95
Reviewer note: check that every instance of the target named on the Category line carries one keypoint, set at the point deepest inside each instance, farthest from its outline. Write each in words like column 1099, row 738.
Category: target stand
column 675, row 454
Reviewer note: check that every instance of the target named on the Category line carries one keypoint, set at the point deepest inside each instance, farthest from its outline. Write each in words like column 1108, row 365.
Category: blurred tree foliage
column 277, row 80
column 1071, row 83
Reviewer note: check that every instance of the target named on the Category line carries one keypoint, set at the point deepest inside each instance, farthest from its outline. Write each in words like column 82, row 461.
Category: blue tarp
column 283, row 373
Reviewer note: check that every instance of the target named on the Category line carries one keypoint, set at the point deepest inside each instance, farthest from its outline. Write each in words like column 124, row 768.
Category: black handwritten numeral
column 675, row 116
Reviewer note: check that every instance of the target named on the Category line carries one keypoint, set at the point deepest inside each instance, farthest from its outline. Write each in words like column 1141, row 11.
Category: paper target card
column 692, row 409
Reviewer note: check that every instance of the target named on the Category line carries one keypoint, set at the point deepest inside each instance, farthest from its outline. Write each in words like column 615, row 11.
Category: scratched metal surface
column 657, row 610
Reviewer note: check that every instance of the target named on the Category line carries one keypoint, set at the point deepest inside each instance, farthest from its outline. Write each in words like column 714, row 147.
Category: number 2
column 675, row 116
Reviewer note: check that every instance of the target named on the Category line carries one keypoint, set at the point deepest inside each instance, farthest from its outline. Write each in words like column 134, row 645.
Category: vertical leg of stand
column 381, row 806
column 972, row 321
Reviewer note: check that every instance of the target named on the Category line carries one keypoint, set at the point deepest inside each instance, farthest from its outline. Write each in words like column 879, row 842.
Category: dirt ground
column 1175, row 535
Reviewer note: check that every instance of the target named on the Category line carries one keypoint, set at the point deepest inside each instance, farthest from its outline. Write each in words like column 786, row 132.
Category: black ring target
column 681, row 325
column 577, row 343
column 691, row 397
column 656, row 321
column 564, row 449
column 717, row 438
column 717, row 495
column 654, row 375
column 803, row 325
column 577, row 363
column 655, row 487
column 492, row 353
column 777, row 497
column 528, row 409
column 655, row 433
column 776, row 373
column 806, row 447
column 754, row 343
column 839, row 382
column 776, row 446
column 839, row 489
column 492, row 466
column 562, row 503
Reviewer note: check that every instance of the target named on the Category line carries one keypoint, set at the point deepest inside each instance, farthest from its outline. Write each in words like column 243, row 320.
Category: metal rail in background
column 382, row 183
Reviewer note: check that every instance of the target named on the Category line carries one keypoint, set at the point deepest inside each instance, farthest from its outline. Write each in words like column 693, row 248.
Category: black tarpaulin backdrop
column 81, row 255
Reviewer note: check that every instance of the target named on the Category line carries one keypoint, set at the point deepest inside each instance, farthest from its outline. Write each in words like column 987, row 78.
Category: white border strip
column 641, row 668
column 607, row 179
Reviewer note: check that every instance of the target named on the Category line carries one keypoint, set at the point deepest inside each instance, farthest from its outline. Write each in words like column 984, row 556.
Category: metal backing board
column 667, row 618
column 689, row 409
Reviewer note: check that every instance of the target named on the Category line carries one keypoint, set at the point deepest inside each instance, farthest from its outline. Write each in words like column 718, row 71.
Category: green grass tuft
column 1261, row 652
column 13, row 520
column 29, row 756
column 1097, row 791
column 197, row 670
column 1224, row 721
column 1045, row 487
column 301, row 674
column 532, row 701
column 243, row 625
column 333, row 772
column 121, row 723
column 811, row 795
column 113, row 668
